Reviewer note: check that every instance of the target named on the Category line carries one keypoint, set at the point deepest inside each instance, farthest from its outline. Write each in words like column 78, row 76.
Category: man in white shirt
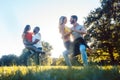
column 36, row 39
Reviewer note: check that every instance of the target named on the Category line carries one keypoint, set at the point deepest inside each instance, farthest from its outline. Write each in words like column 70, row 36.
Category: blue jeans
column 82, row 49
column 66, row 53
column 66, row 57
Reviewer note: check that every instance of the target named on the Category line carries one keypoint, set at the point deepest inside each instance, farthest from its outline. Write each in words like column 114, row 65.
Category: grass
column 60, row 73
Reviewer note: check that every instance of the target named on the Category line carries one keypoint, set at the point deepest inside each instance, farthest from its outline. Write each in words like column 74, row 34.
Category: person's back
column 28, row 36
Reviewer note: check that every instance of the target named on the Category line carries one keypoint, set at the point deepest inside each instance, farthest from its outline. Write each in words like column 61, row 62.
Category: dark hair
column 74, row 17
column 37, row 28
column 27, row 28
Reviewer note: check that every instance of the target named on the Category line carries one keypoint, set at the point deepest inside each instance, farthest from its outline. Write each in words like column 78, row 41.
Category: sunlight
column 17, row 14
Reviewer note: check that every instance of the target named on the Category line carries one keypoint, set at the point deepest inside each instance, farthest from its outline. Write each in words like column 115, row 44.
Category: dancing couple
column 78, row 44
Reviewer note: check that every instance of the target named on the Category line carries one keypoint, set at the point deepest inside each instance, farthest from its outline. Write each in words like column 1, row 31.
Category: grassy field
column 60, row 73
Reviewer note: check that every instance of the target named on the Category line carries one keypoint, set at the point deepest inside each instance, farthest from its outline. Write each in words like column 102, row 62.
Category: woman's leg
column 82, row 49
column 66, row 53
column 66, row 57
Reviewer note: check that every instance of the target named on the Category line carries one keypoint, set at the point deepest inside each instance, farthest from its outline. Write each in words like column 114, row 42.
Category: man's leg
column 37, row 58
column 30, row 47
column 26, row 56
column 82, row 49
column 39, row 50
column 67, row 60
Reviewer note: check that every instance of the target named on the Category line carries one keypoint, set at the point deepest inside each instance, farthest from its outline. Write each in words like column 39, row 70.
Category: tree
column 24, row 56
column 46, row 59
column 9, row 60
column 104, row 27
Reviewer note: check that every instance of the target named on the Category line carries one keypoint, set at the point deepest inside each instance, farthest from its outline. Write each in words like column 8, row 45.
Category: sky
column 16, row 14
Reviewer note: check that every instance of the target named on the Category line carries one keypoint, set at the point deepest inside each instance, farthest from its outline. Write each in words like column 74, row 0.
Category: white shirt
column 37, row 36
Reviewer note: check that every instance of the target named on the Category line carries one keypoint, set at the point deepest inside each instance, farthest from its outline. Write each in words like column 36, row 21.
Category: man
column 36, row 40
column 79, row 44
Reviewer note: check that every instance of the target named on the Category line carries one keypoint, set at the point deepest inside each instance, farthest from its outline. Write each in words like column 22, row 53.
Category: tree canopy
column 103, row 26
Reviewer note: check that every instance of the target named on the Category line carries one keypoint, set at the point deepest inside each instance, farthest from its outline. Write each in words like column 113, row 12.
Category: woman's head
column 27, row 28
column 62, row 20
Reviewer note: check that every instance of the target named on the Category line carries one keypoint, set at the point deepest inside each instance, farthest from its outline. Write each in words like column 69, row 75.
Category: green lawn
column 60, row 73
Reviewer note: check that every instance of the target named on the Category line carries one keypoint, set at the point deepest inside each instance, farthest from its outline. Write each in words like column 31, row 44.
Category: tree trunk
column 110, row 49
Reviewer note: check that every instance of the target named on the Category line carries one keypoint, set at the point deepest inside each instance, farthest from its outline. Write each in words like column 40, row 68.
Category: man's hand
column 72, row 30
column 89, row 50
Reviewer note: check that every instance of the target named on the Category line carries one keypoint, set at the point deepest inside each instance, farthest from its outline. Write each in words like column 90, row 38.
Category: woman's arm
column 64, row 34
column 23, row 36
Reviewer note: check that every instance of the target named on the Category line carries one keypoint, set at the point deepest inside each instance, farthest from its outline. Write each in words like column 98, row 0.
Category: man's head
column 73, row 19
column 36, row 30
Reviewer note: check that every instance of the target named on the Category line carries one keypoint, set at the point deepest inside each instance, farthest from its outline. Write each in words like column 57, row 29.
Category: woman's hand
column 72, row 30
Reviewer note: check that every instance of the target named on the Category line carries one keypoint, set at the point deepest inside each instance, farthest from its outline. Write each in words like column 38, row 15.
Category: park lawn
column 60, row 73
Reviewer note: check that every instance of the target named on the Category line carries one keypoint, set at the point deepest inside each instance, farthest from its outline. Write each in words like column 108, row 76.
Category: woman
column 65, row 32
column 27, row 35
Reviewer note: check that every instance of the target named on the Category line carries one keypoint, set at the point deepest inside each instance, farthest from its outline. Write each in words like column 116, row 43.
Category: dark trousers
column 77, row 42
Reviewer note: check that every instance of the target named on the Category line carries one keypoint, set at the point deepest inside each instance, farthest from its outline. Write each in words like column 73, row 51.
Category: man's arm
column 81, row 31
column 37, row 40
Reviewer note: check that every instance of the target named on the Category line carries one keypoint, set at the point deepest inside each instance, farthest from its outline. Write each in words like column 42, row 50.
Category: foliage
column 60, row 73
column 43, row 59
column 103, row 26
column 26, row 57
column 9, row 60
column 60, row 62
column 46, row 47
column 46, row 59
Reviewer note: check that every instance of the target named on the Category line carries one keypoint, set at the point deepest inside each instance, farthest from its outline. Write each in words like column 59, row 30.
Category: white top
column 37, row 36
